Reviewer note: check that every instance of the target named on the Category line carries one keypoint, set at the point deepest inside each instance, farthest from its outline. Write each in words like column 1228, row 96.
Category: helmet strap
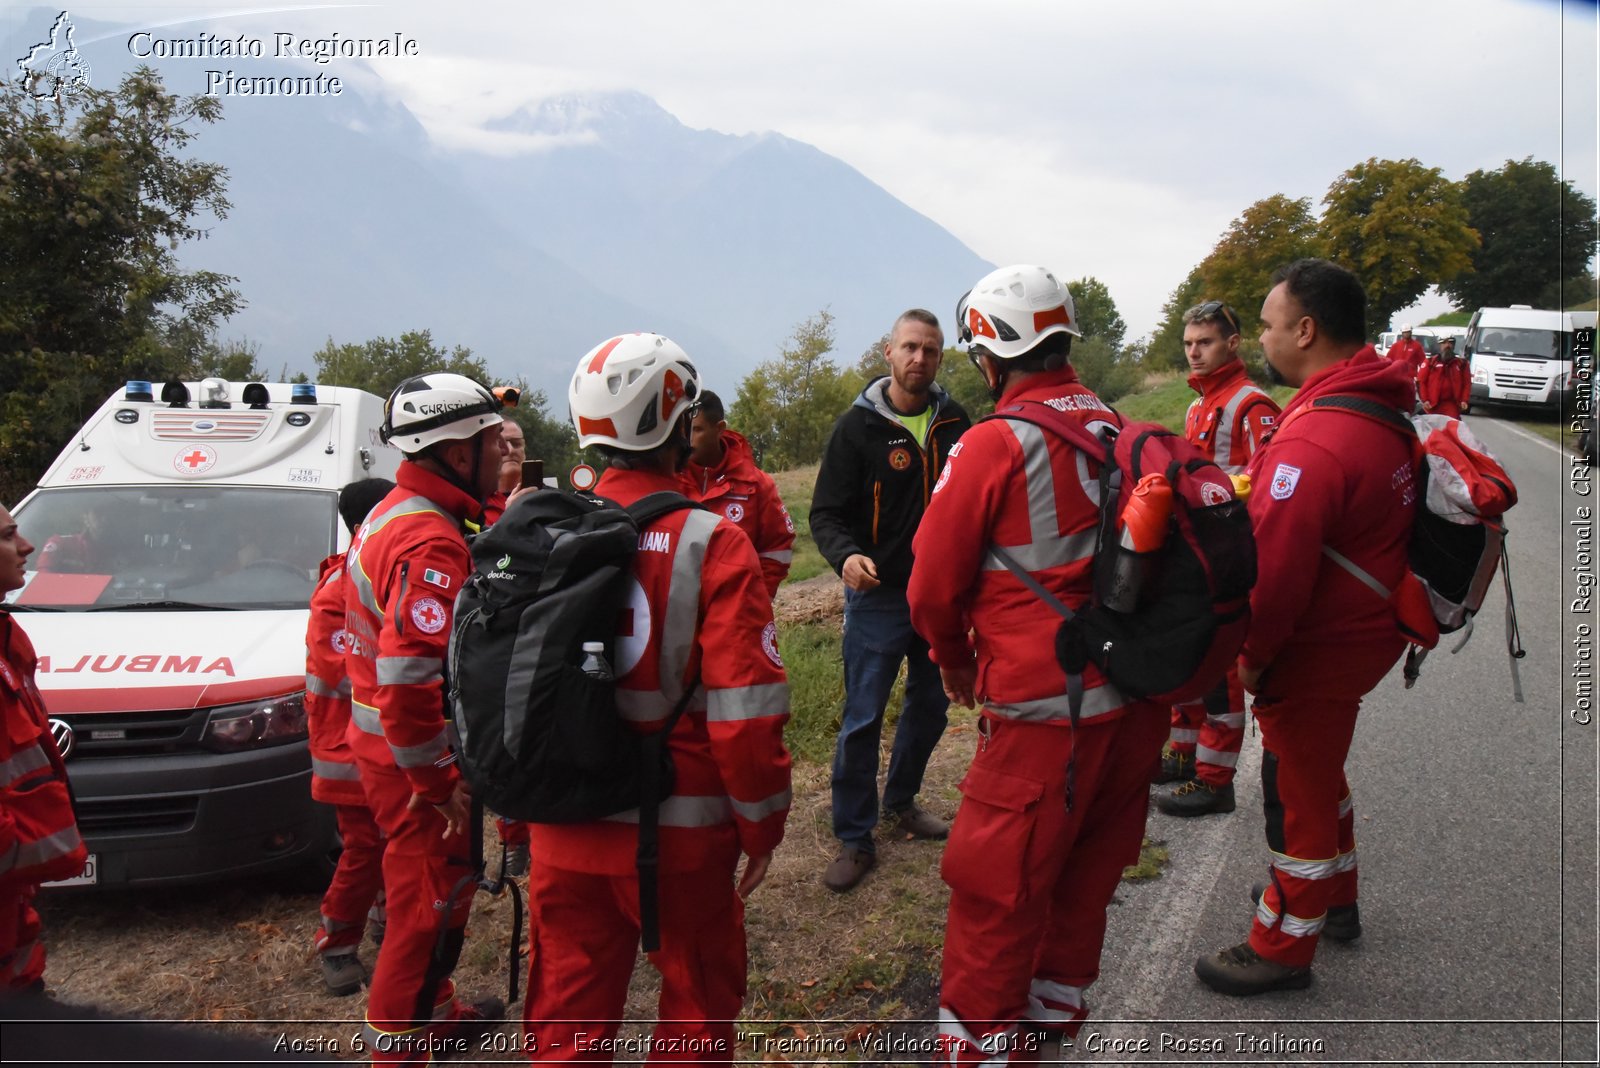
column 446, row 470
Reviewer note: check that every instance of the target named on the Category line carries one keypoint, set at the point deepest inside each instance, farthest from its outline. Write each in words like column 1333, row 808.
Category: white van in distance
column 1523, row 356
column 178, row 542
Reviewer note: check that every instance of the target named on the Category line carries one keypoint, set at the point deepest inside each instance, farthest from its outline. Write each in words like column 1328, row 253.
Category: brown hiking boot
column 1196, row 798
column 1241, row 972
column 848, row 869
column 918, row 822
column 1176, row 766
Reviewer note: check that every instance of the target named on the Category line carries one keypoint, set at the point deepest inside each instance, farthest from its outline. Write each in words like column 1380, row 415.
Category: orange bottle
column 1144, row 529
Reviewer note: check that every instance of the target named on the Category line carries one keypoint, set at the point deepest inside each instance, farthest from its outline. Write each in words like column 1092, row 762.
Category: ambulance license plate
column 90, row 876
column 1519, row 396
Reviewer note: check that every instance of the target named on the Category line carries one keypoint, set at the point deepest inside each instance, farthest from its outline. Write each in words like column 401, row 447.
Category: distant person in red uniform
column 1326, row 482
column 1444, row 382
column 722, row 474
column 357, row 884
column 1030, row 877
column 1226, row 422
column 1407, row 350
column 38, row 831
column 702, row 617
column 404, row 569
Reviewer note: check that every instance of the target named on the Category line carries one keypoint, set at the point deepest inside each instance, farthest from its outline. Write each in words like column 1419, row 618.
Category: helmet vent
column 648, row 419
column 1004, row 329
column 633, row 375
column 614, row 384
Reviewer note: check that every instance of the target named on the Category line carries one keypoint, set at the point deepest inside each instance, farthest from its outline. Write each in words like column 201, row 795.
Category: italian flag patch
column 437, row 578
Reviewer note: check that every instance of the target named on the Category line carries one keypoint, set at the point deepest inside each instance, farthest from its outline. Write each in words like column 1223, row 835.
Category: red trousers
column 1310, row 822
column 1212, row 728
column 357, row 881
column 584, row 939
column 1030, row 881
column 21, row 944
column 411, row 996
column 511, row 832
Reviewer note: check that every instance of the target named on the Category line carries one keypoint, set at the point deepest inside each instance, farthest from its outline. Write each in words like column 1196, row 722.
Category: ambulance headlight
column 274, row 721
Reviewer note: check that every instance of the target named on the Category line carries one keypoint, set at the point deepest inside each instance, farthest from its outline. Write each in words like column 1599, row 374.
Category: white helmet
column 430, row 408
column 629, row 391
column 1011, row 310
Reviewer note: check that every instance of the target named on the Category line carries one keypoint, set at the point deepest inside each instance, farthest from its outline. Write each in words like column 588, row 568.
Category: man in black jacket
column 879, row 468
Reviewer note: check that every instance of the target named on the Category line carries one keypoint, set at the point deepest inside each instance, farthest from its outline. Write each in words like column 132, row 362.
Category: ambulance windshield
column 135, row 547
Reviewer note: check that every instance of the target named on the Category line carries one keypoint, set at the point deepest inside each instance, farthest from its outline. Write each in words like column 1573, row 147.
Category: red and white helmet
column 629, row 391
column 430, row 408
column 1012, row 309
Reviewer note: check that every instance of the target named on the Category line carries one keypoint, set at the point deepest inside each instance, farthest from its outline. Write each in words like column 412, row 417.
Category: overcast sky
column 1107, row 139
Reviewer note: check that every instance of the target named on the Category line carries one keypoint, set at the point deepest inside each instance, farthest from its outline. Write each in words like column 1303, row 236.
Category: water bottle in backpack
column 594, row 662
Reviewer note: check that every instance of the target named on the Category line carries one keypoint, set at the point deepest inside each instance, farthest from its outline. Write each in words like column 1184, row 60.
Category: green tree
column 1538, row 231
column 1269, row 233
column 379, row 365
column 95, row 197
column 1097, row 312
column 965, row 384
column 1400, row 227
column 1104, row 369
column 786, row 407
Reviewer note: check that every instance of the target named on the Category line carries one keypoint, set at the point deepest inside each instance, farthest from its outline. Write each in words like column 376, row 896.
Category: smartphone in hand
column 533, row 474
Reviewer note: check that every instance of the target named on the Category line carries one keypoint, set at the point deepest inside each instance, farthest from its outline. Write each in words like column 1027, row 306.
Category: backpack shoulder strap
column 1062, row 425
column 653, row 506
column 1378, row 412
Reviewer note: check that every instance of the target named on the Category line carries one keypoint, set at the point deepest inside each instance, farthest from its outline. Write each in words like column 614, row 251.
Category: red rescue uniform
column 1408, row 351
column 335, row 779
column 39, row 839
column 700, row 611
column 1444, row 386
column 1226, row 422
column 1029, row 880
column 404, row 569
column 1325, row 480
column 748, row 498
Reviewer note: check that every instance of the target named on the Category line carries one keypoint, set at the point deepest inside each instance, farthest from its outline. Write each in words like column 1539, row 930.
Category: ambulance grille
column 186, row 424
column 121, row 734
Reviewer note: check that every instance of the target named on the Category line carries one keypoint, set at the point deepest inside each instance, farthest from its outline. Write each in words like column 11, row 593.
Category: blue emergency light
column 138, row 390
column 303, row 393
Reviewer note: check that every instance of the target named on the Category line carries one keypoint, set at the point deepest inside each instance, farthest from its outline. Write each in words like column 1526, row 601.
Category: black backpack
column 1191, row 607
column 537, row 738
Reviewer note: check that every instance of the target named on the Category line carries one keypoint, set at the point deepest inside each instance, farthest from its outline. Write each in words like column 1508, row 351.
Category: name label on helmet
column 441, row 407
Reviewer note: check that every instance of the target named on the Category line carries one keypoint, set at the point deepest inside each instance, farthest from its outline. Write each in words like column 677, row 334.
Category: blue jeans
column 877, row 637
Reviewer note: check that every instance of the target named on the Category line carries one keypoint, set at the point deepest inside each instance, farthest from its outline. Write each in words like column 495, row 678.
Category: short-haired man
column 878, row 470
column 405, row 566
column 1226, row 422
column 722, row 475
column 1329, row 489
column 357, row 881
column 701, row 618
column 1407, row 350
column 1444, row 382
column 1030, row 872
column 516, row 443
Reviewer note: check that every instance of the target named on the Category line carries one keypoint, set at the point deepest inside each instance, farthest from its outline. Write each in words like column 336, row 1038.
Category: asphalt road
column 1476, row 831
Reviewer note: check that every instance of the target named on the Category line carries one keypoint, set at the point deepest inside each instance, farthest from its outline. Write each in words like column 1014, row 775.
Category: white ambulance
column 177, row 546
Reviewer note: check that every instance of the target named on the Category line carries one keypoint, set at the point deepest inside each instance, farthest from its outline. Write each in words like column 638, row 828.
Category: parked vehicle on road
column 178, row 545
column 1522, row 356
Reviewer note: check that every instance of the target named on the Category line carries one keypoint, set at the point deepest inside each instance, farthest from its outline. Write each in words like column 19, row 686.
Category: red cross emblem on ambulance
column 195, row 460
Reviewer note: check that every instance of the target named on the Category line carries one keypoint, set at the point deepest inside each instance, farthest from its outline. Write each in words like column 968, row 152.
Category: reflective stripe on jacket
column 404, row 568
column 38, row 830
column 1230, row 417
column 334, row 778
column 1015, row 485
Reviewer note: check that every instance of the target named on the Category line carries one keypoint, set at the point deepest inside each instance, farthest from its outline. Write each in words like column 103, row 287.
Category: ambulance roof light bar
column 303, row 393
column 214, row 393
column 138, row 390
column 255, row 395
column 175, row 394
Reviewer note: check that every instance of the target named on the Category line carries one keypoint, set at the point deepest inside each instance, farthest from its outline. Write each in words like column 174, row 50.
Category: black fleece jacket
column 876, row 479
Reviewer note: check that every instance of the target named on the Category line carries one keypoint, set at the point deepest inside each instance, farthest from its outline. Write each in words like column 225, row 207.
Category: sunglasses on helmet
column 1212, row 309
